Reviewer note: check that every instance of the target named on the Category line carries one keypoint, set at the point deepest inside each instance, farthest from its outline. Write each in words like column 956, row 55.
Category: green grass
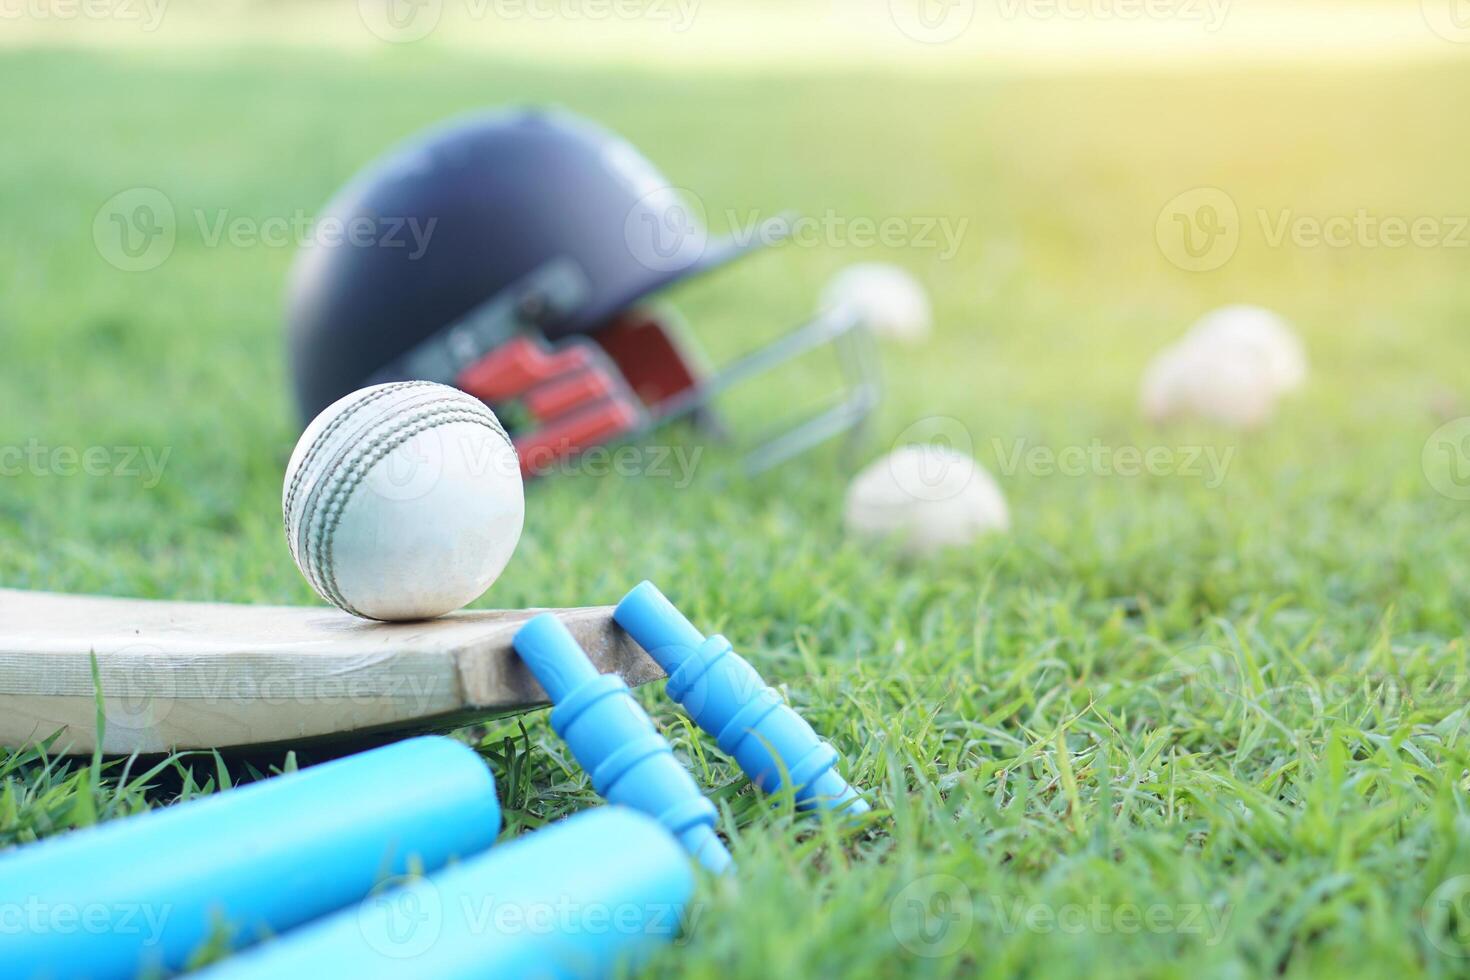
column 1238, row 709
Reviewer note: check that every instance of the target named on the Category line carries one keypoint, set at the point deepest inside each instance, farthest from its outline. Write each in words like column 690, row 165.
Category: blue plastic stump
column 728, row 699
column 615, row 741
column 147, row 891
column 582, row 898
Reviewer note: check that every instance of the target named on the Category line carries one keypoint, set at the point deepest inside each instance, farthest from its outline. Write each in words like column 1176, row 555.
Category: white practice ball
column 1221, row 384
column 403, row 501
column 925, row 498
column 1260, row 333
column 888, row 299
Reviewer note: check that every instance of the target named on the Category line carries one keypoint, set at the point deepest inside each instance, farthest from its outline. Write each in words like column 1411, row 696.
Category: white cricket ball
column 1262, row 334
column 925, row 498
column 888, row 300
column 403, row 501
column 1224, row 384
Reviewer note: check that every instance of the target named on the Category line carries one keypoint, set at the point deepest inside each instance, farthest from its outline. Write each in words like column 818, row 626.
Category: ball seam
column 331, row 510
column 308, row 491
column 319, row 443
column 354, row 462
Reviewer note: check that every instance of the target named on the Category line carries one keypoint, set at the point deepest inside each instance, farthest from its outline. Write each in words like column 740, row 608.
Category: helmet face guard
column 545, row 236
column 625, row 380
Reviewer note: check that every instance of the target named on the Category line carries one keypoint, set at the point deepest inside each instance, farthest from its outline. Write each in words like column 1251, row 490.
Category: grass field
column 1170, row 725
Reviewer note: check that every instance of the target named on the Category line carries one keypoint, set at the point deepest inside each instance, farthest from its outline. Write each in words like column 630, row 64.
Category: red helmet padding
column 513, row 368
column 648, row 356
column 572, row 392
column 560, row 396
column 571, row 434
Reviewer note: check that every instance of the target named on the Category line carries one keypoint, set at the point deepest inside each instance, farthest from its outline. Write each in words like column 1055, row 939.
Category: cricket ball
column 925, row 498
column 1218, row 383
column 1260, row 333
column 403, row 501
column 888, row 300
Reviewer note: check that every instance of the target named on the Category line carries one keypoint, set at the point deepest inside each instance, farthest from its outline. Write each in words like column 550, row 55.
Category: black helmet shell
column 451, row 219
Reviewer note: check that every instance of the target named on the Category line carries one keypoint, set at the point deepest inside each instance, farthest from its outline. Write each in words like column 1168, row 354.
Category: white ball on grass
column 1217, row 383
column 1261, row 333
column 403, row 501
column 888, row 299
column 925, row 498
column 1161, row 391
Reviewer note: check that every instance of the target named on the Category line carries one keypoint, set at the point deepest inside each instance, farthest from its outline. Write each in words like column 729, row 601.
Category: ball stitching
column 331, row 511
column 321, row 440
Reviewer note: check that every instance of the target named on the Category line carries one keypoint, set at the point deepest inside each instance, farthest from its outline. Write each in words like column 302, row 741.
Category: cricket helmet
column 512, row 254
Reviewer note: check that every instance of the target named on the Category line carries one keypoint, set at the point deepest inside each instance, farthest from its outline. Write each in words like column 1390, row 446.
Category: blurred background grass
column 1026, row 709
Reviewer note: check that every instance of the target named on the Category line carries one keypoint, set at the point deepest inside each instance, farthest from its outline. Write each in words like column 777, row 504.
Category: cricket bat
column 205, row 675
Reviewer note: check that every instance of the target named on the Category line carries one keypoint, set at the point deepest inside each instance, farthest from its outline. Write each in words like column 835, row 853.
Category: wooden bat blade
column 203, row 675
